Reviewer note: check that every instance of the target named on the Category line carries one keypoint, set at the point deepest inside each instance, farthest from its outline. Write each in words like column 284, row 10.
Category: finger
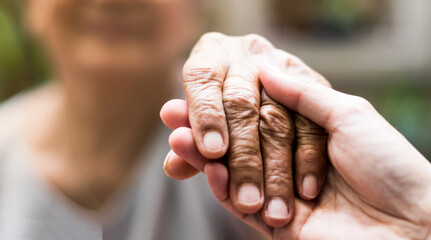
column 203, row 77
column 218, row 177
column 241, row 98
column 218, row 180
column 276, row 139
column 336, row 112
column 182, row 143
column 174, row 114
column 310, row 157
column 317, row 102
column 177, row 168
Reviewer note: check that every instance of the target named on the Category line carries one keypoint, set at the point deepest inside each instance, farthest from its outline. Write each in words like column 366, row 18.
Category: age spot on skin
column 257, row 45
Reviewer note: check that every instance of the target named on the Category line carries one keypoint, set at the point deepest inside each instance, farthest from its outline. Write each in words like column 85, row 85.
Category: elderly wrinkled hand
column 228, row 115
column 377, row 185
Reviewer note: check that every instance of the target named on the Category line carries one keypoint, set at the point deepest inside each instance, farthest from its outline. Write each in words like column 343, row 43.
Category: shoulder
column 15, row 112
column 12, row 115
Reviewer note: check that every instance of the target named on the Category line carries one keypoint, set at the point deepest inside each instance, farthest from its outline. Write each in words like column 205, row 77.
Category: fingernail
column 165, row 163
column 213, row 141
column 309, row 186
column 248, row 194
column 277, row 209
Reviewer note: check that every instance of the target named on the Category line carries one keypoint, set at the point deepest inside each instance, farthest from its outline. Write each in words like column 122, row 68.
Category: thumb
column 317, row 102
column 367, row 145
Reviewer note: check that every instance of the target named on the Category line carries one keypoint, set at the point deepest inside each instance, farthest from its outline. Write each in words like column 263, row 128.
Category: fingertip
column 181, row 138
column 174, row 113
column 182, row 143
column 276, row 222
column 278, row 213
column 213, row 144
column 311, row 165
column 309, row 185
column 177, row 168
column 166, row 163
column 249, row 198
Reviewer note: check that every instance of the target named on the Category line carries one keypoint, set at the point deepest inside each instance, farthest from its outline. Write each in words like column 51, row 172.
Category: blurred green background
column 21, row 63
column 403, row 97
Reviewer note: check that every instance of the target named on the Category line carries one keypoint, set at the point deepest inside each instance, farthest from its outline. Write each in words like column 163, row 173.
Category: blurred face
column 113, row 36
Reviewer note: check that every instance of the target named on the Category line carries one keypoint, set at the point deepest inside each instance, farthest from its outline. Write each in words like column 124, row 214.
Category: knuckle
column 295, row 65
column 350, row 107
column 257, row 39
column 212, row 36
column 292, row 61
column 286, row 59
column 312, row 140
column 309, row 155
column 354, row 105
column 308, row 130
column 245, row 160
column 322, row 80
column 241, row 105
column 318, row 78
column 206, row 109
column 275, row 123
column 202, row 75
column 257, row 44
column 361, row 103
column 244, row 140
column 276, row 178
column 207, row 39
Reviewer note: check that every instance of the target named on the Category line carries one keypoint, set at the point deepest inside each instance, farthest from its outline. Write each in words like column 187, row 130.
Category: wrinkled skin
column 378, row 186
column 226, row 102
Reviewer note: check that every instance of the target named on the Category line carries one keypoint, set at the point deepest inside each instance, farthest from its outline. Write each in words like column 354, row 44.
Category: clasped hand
column 378, row 186
column 228, row 112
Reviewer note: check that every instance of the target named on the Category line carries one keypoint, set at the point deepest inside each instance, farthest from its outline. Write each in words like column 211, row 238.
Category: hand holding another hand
column 229, row 116
column 378, row 186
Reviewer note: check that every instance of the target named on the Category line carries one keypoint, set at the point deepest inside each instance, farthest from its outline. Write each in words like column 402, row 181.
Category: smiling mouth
column 116, row 21
column 116, row 30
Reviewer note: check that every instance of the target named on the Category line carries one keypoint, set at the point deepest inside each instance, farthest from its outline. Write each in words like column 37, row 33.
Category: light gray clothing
column 151, row 207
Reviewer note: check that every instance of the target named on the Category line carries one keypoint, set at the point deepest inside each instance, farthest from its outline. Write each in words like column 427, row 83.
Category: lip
column 113, row 21
column 113, row 30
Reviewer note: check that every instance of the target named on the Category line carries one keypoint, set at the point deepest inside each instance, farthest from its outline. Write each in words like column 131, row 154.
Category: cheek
column 39, row 14
column 55, row 20
column 47, row 17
